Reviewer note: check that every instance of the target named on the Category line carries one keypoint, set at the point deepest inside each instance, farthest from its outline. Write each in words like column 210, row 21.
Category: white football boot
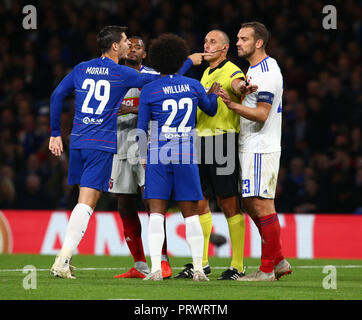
column 258, row 276
column 61, row 268
column 283, row 268
column 200, row 276
column 155, row 276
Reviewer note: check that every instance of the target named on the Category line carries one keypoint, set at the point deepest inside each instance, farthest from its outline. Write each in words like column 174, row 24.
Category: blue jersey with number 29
column 100, row 85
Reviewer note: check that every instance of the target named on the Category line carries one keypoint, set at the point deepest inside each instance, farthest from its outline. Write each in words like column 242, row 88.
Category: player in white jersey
column 259, row 147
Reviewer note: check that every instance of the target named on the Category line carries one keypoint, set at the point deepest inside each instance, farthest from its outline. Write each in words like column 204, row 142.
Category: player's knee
column 146, row 205
column 127, row 206
column 263, row 207
column 229, row 206
column 203, row 207
column 89, row 196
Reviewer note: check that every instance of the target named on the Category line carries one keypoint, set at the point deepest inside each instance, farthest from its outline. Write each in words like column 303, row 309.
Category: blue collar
column 259, row 62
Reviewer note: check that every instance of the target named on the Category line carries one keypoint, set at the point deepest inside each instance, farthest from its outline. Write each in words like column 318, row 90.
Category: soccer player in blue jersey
column 171, row 103
column 128, row 174
column 100, row 85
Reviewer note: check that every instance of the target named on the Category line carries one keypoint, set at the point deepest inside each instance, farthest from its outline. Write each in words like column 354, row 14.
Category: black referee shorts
column 219, row 165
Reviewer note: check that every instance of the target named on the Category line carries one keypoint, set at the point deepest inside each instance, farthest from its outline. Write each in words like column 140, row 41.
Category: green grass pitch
column 95, row 281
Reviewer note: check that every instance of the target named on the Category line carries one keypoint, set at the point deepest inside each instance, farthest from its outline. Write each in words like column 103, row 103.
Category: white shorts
column 259, row 174
column 126, row 176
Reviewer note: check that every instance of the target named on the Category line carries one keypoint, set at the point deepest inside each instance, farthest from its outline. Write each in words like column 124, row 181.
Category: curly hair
column 167, row 53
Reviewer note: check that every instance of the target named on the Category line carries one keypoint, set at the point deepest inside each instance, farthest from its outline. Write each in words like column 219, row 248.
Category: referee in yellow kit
column 215, row 134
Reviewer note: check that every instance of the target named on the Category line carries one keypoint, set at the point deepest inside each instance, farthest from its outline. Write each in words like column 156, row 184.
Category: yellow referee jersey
column 225, row 119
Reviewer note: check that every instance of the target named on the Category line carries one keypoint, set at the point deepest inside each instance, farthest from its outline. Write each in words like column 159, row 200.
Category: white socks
column 156, row 237
column 195, row 240
column 76, row 228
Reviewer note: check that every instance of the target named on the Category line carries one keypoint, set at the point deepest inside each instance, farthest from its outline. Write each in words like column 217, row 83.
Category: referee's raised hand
column 197, row 58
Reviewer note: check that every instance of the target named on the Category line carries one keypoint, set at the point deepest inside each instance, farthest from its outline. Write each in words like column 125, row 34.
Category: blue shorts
column 90, row 168
column 178, row 181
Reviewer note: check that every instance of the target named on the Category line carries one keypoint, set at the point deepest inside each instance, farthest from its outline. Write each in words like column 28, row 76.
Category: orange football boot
column 166, row 269
column 131, row 273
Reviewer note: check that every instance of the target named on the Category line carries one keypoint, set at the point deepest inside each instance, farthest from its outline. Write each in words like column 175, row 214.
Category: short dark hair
column 167, row 53
column 108, row 35
column 138, row 38
column 224, row 35
column 260, row 31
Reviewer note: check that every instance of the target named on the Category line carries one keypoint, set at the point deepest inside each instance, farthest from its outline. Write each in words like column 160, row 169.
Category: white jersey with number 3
column 264, row 137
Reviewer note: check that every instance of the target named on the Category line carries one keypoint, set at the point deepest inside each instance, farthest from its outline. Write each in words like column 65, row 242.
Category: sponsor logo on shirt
column 175, row 135
column 87, row 120
column 132, row 102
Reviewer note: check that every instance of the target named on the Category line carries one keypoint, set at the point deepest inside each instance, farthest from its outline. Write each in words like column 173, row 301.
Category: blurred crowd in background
column 321, row 164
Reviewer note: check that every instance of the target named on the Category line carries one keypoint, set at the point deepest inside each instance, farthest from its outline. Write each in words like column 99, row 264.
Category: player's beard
column 246, row 55
column 122, row 56
column 132, row 62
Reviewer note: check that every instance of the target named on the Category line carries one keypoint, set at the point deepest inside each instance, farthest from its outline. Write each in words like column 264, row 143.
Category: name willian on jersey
column 176, row 89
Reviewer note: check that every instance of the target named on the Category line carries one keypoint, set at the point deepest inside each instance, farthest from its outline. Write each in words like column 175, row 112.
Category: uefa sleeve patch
column 235, row 73
column 265, row 96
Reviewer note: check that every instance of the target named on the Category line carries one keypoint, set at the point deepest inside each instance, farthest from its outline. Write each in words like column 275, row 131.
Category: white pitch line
column 125, row 299
column 75, row 268
column 213, row 268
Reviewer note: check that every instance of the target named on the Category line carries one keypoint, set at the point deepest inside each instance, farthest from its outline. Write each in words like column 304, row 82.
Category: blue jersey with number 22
column 171, row 103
